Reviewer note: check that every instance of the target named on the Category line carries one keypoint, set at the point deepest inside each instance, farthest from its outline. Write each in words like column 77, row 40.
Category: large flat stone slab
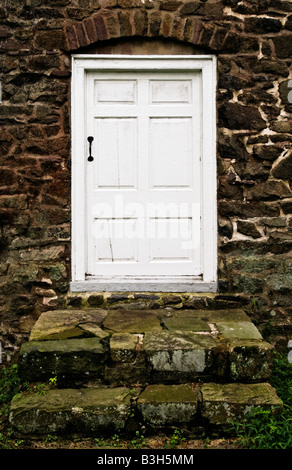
column 210, row 316
column 238, row 330
column 224, row 402
column 132, row 321
column 65, row 324
column 187, row 323
column 70, row 411
column 162, row 405
column 80, row 358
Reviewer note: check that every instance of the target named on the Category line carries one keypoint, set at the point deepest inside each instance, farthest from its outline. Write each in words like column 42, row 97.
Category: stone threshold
column 150, row 300
column 99, row 411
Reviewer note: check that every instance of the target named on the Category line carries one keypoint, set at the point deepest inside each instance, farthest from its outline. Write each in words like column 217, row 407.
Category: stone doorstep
column 65, row 324
column 103, row 410
column 132, row 347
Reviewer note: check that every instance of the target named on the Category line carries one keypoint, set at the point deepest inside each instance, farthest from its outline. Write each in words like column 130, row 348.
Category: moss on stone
column 70, row 410
column 65, row 324
column 225, row 402
column 132, row 321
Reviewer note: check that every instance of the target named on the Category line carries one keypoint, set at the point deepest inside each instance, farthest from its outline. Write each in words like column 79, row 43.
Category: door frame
column 206, row 65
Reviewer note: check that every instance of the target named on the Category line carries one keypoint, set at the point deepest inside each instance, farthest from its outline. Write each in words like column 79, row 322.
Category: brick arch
column 107, row 25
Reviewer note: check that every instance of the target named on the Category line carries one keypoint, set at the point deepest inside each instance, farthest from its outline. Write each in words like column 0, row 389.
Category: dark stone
column 230, row 81
column 235, row 43
column 283, row 169
column 288, row 24
column 287, row 206
column 253, row 169
column 190, row 8
column 232, row 147
column 236, row 116
column 117, row 298
column 283, row 46
column 95, row 300
column 125, row 24
column 50, row 40
column 248, row 228
column 269, row 190
column 248, row 209
column 227, row 190
column 155, row 22
column 270, row 66
column 225, row 228
column 267, row 152
column 170, row 5
column 140, row 22
column 262, row 25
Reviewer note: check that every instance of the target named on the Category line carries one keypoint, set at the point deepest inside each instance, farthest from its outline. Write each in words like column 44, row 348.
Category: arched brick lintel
column 141, row 23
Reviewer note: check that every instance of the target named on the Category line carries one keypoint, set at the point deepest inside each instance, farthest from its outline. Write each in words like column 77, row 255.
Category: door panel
column 171, row 152
column 116, row 153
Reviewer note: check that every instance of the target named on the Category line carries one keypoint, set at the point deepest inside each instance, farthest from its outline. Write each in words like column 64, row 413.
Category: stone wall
column 253, row 42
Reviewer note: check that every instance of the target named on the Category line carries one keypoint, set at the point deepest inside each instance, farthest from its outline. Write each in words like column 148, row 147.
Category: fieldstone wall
column 253, row 42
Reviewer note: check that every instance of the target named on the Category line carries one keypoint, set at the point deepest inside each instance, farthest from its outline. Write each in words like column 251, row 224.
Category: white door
column 143, row 191
column 143, row 186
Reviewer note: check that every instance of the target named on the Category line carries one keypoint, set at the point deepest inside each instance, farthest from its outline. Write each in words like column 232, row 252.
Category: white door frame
column 206, row 65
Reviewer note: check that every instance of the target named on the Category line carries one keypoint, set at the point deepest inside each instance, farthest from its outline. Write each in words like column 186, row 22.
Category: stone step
column 123, row 347
column 103, row 410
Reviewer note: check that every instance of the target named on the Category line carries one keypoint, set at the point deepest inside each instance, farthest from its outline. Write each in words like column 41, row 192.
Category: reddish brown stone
column 100, row 26
column 197, row 29
column 166, row 25
column 82, row 39
column 90, row 30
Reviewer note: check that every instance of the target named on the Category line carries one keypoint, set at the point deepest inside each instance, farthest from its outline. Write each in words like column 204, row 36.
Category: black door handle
column 90, row 140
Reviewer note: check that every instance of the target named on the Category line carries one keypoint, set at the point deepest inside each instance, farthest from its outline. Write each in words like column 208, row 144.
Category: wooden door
column 143, row 184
